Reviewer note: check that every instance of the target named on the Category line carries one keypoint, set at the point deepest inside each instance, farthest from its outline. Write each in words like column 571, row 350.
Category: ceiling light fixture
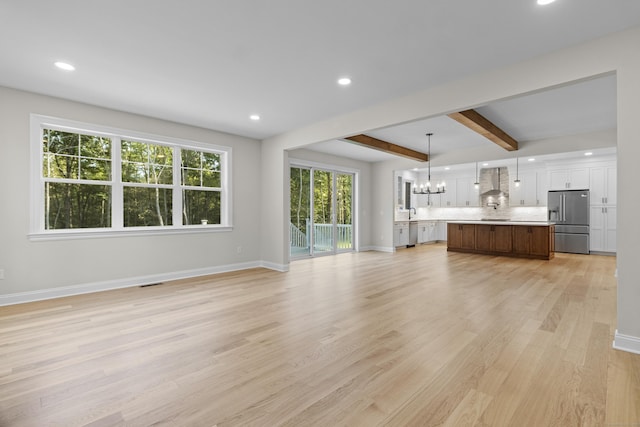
column 426, row 188
column 64, row 66
column 531, row 159
column 516, row 181
column 254, row 117
column 588, row 153
column 545, row 2
column 344, row 81
column 476, row 184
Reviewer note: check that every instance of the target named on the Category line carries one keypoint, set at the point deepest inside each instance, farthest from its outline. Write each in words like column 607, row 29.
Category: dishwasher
column 413, row 234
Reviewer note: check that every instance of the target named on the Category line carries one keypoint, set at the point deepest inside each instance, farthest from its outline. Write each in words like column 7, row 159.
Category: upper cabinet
column 466, row 192
column 569, row 179
column 526, row 194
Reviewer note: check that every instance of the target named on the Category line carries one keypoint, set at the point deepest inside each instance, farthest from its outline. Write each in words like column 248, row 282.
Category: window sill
column 133, row 232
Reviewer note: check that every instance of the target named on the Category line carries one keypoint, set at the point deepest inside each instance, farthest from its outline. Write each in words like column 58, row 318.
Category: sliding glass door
column 321, row 211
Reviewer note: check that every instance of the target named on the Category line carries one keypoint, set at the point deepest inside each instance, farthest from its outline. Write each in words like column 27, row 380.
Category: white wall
column 35, row 266
column 615, row 53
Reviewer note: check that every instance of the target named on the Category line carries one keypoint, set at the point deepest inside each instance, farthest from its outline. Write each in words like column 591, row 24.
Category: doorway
column 321, row 211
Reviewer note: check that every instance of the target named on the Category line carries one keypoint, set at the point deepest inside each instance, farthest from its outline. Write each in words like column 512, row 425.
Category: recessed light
column 447, row 168
column 254, row 117
column 64, row 66
column 588, row 153
column 531, row 160
column 545, row 2
column 485, row 164
column 344, row 81
column 415, row 169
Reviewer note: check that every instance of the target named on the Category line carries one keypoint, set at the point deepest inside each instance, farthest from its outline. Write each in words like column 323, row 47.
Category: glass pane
column 60, row 166
column 300, row 211
column 161, row 174
column 191, row 177
column 135, row 172
column 344, row 210
column 95, row 169
column 211, row 179
column 95, row 146
column 191, row 159
column 201, row 207
column 322, row 211
column 210, row 161
column 145, row 206
column 58, row 142
column 146, row 163
column 69, row 206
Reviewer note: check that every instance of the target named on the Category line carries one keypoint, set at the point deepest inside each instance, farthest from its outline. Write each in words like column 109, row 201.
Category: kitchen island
column 523, row 239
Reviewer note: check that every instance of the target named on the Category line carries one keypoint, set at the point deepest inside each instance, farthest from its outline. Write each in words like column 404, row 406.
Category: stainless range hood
column 494, row 182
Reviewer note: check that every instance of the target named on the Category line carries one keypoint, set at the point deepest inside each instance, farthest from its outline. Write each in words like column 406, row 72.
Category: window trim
column 36, row 221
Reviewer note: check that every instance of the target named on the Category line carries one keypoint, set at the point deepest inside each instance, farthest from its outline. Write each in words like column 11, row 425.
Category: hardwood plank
column 418, row 337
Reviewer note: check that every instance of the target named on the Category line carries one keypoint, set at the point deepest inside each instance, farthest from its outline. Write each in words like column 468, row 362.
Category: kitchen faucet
column 414, row 211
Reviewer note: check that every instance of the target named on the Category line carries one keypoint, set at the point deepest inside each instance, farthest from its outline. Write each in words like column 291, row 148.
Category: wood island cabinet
column 494, row 238
column 524, row 241
column 461, row 236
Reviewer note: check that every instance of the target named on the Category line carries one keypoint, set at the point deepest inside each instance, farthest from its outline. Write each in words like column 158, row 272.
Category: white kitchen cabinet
column 448, row 198
column 569, row 179
column 441, row 231
column 542, row 188
column 401, row 233
column 466, row 193
column 527, row 193
column 427, row 231
column 602, row 230
column 603, row 185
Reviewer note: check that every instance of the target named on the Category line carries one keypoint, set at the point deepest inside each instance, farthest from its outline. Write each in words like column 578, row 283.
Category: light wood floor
column 417, row 338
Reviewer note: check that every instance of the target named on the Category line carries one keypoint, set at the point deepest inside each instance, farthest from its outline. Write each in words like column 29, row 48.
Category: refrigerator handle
column 564, row 207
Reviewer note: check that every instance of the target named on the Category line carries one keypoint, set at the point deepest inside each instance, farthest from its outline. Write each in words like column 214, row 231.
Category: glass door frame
column 335, row 170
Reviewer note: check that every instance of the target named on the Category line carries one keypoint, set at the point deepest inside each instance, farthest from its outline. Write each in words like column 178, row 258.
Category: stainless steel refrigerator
column 569, row 209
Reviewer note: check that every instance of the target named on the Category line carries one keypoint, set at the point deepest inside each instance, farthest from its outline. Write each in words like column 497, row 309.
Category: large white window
column 91, row 180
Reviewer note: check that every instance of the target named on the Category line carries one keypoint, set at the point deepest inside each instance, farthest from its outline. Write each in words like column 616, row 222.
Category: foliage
column 78, row 182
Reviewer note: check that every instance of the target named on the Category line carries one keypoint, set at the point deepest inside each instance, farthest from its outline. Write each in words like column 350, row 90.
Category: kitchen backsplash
column 538, row 213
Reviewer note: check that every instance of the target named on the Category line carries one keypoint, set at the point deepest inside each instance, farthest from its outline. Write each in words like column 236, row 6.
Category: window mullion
column 117, row 192
column 177, row 187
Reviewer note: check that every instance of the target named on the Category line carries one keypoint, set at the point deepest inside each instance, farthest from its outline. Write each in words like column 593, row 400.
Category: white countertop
column 534, row 223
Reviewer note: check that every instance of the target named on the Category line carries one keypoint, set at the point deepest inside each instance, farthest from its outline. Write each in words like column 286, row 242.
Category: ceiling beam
column 387, row 147
column 480, row 124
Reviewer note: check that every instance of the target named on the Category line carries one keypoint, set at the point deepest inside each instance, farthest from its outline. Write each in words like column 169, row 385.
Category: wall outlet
column 1, row 274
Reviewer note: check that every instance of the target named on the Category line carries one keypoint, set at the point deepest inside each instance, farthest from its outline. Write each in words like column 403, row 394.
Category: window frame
column 37, row 229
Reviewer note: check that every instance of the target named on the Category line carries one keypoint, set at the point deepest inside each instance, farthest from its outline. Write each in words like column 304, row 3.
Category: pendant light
column 426, row 189
column 516, row 181
column 476, row 184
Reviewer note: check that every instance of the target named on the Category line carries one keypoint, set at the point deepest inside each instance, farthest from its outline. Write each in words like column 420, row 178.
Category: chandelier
column 426, row 188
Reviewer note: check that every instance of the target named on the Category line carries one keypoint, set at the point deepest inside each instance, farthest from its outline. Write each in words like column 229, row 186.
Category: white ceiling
column 213, row 63
column 583, row 107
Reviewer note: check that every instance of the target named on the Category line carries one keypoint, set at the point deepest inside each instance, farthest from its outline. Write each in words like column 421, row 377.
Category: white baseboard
column 626, row 343
column 24, row 297
column 377, row 248
column 283, row 268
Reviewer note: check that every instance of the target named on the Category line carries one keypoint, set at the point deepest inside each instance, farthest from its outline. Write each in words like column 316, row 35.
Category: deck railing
column 323, row 236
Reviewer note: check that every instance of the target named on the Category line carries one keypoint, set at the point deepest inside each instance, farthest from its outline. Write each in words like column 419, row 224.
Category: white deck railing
column 322, row 235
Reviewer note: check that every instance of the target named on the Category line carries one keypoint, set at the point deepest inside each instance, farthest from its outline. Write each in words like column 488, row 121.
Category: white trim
column 626, row 343
column 312, row 164
column 378, row 249
column 45, row 294
column 37, row 223
column 283, row 268
column 95, row 233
